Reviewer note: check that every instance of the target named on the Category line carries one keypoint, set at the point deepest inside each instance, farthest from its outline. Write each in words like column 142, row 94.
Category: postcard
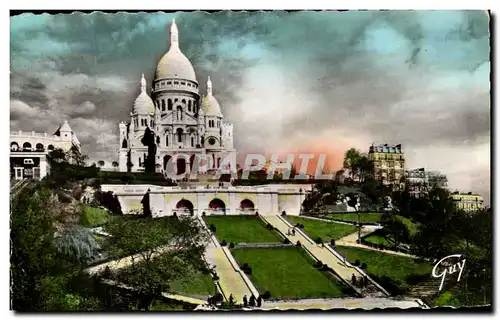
column 250, row 161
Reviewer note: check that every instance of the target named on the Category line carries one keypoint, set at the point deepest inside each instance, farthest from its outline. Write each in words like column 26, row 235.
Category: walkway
column 322, row 254
column 230, row 280
column 355, row 303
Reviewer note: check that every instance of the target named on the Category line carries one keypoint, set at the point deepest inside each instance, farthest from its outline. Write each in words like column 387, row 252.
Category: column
column 43, row 167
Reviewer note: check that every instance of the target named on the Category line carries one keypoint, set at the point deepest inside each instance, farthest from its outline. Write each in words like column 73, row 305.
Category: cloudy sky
column 289, row 82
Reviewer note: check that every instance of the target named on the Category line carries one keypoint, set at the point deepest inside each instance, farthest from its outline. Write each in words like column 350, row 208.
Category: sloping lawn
column 93, row 217
column 363, row 217
column 241, row 229
column 288, row 273
column 194, row 281
column 324, row 230
column 392, row 271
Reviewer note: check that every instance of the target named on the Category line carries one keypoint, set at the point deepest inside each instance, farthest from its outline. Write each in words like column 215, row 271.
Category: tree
column 100, row 163
column 353, row 202
column 351, row 161
column 396, row 230
column 77, row 243
column 164, row 252
column 148, row 140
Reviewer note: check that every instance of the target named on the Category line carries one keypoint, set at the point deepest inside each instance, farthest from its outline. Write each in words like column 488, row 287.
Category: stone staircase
column 427, row 288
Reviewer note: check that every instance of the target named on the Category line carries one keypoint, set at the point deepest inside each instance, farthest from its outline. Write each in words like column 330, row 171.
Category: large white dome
column 143, row 103
column 174, row 63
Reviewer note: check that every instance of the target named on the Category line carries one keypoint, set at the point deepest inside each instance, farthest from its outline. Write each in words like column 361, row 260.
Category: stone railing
column 262, row 245
column 302, row 233
column 34, row 134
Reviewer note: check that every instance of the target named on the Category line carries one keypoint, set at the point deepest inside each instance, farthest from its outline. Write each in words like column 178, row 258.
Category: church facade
column 186, row 125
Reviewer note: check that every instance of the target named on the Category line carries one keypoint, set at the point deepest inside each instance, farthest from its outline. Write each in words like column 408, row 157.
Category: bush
column 301, row 226
column 109, row 201
column 269, row 226
column 325, row 267
column 363, row 266
column 356, row 262
column 212, row 228
column 332, row 243
column 245, row 266
column 215, row 277
column 286, row 241
column 318, row 264
column 248, row 271
column 319, row 240
column 218, row 297
column 283, row 213
column 298, row 244
column 266, row 295
column 231, row 245
column 223, row 243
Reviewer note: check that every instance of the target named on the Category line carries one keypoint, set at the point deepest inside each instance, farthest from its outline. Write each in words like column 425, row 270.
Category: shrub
column 245, row 266
column 363, row 266
column 266, row 295
column 297, row 225
column 248, row 271
column 269, row 226
column 231, row 245
column 319, row 240
column 223, row 243
column 107, row 273
column 215, row 277
column 218, row 297
column 212, row 228
column 332, row 243
column 286, row 241
column 283, row 213
column 298, row 244
column 356, row 262
column 325, row 267
column 318, row 264
column 301, row 226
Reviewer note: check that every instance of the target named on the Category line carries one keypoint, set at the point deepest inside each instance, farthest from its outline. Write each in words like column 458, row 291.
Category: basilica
column 184, row 123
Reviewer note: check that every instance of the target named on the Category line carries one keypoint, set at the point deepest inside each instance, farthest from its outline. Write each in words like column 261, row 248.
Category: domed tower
column 143, row 113
column 176, row 97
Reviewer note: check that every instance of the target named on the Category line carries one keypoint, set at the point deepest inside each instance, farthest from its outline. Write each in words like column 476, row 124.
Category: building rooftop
column 385, row 148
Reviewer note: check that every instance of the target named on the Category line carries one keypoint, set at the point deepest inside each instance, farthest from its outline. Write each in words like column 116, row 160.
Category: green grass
column 378, row 239
column 411, row 226
column 363, row 217
column 241, row 229
column 323, row 229
column 399, row 269
column 93, row 217
column 199, row 284
column 288, row 273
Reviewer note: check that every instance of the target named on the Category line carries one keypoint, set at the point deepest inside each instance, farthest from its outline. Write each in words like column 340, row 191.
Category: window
column 183, row 83
column 162, row 105
column 176, row 82
column 169, row 105
column 151, row 123
column 166, row 138
column 211, row 141
column 169, row 82
column 192, row 141
column 189, row 105
column 179, row 135
column 183, row 101
column 163, row 83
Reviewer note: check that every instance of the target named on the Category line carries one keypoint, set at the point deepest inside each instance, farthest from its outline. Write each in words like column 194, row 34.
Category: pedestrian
column 259, row 301
column 245, row 301
column 353, row 279
column 252, row 301
column 293, row 231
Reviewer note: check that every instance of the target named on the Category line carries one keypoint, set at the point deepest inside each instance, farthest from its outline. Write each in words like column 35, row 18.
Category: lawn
column 378, row 239
column 93, row 217
column 363, row 217
column 323, row 229
column 241, row 229
column 288, row 273
column 401, row 270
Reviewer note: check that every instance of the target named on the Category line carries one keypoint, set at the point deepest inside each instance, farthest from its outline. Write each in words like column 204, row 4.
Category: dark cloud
column 410, row 77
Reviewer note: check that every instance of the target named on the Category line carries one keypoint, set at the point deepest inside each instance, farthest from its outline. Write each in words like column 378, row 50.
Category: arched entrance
column 247, row 205
column 26, row 146
column 185, row 206
column 181, row 165
column 14, row 146
column 217, row 205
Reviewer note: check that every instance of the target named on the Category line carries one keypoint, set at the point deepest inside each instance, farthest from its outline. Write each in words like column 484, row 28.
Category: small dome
column 211, row 106
column 143, row 103
column 174, row 63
